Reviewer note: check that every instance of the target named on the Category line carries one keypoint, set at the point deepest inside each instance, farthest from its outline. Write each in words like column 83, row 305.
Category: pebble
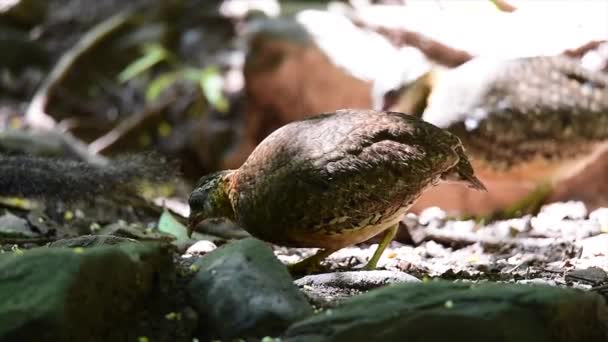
column 600, row 216
column 432, row 214
column 201, row 247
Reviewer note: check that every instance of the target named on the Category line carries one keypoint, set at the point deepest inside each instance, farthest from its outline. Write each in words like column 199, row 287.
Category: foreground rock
column 460, row 312
column 242, row 290
column 61, row 294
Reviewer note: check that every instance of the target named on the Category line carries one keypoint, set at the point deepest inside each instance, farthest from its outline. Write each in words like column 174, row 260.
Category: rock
column 201, row 247
column 91, row 241
column 442, row 311
column 61, row 294
column 14, row 226
column 575, row 230
column 592, row 275
column 240, row 9
column 241, row 290
column 574, row 210
column 600, row 215
column 432, row 214
column 536, row 281
column 597, row 58
column 595, row 246
column 362, row 280
column 329, row 289
column 564, row 220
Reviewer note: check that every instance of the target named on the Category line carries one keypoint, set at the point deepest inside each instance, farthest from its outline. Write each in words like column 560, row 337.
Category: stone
column 432, row 214
column 443, row 311
column 201, row 247
column 363, row 280
column 574, row 210
column 242, row 290
column 592, row 275
column 600, row 215
column 63, row 294
column 595, row 246
column 329, row 289
column 14, row 226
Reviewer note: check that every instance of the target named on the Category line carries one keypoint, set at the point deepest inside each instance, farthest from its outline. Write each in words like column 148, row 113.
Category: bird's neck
column 222, row 198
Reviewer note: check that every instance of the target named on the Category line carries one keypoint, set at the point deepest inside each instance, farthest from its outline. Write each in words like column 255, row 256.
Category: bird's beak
column 193, row 221
column 463, row 172
column 474, row 182
column 467, row 178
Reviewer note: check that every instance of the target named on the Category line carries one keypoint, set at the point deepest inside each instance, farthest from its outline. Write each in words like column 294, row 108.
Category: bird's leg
column 386, row 240
column 530, row 204
column 311, row 264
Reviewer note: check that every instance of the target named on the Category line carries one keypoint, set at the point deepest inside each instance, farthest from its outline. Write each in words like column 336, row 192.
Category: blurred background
column 204, row 81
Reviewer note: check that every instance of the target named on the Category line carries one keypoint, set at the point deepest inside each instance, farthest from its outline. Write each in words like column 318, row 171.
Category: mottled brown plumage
column 333, row 180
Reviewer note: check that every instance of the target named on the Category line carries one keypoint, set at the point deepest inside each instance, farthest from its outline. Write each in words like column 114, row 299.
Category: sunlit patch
column 164, row 129
column 21, row 203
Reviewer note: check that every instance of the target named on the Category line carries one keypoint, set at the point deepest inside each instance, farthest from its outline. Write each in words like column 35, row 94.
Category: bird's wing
column 381, row 164
column 334, row 172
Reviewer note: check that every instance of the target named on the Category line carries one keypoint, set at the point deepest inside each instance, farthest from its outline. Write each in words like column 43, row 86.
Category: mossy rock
column 64, row 294
column 242, row 290
column 442, row 311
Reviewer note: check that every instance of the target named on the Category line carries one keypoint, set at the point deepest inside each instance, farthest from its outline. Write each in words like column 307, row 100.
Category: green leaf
column 168, row 224
column 211, row 83
column 153, row 54
column 192, row 74
column 160, row 83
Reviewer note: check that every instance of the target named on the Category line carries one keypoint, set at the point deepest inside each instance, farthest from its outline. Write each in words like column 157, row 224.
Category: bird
column 333, row 180
column 540, row 120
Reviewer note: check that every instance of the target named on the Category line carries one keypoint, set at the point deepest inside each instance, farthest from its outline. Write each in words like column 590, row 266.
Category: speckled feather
column 336, row 173
column 522, row 109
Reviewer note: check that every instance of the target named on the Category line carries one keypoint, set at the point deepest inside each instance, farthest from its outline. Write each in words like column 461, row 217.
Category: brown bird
column 333, row 180
column 538, row 120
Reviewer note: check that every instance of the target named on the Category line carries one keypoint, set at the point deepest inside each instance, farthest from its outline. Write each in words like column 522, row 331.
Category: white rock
column 600, row 216
column 431, row 214
column 561, row 210
column 201, row 247
column 537, row 281
column 595, row 246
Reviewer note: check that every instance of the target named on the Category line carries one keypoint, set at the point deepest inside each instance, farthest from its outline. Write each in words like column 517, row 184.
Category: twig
column 36, row 114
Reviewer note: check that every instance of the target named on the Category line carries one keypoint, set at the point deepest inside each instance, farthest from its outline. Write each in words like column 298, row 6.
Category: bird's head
column 209, row 199
column 463, row 172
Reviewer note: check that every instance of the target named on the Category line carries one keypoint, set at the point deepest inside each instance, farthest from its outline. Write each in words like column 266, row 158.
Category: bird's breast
column 336, row 235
